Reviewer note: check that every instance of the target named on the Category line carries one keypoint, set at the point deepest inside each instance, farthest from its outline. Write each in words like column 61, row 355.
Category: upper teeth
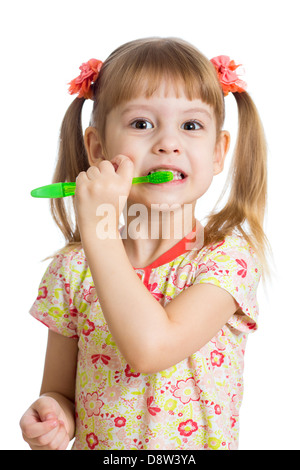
column 177, row 175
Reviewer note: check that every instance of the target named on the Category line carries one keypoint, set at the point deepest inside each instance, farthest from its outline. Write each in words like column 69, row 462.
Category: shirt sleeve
column 54, row 304
column 233, row 266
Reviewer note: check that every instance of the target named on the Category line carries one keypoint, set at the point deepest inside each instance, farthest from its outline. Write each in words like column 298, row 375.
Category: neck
column 147, row 234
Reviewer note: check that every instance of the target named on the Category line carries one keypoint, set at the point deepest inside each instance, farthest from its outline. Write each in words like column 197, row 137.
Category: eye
column 191, row 126
column 141, row 124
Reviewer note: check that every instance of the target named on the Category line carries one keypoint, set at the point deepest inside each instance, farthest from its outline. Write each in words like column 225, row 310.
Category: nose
column 167, row 143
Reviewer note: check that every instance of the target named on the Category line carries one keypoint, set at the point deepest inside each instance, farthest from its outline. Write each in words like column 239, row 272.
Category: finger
column 64, row 444
column 106, row 166
column 44, row 439
column 60, row 440
column 32, row 430
column 126, row 168
column 117, row 160
column 93, row 172
column 57, row 439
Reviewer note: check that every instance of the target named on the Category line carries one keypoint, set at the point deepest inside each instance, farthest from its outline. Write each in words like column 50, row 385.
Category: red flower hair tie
column 226, row 70
column 82, row 84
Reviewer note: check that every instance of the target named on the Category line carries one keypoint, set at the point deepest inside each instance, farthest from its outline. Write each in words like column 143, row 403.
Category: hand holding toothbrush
column 99, row 185
column 108, row 173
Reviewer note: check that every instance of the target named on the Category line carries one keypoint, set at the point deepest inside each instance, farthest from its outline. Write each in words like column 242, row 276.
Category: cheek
column 203, row 172
column 114, row 141
column 203, row 165
column 204, row 181
column 117, row 145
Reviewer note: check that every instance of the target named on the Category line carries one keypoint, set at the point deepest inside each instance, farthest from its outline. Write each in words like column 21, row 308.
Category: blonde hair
column 138, row 67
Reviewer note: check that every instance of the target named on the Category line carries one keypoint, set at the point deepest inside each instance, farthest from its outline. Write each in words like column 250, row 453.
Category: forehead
column 165, row 85
column 167, row 97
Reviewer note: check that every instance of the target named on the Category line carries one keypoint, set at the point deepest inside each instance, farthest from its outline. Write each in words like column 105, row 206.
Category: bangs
column 145, row 80
column 139, row 67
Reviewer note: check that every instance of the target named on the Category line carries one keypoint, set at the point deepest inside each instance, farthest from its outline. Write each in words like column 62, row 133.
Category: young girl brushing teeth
column 148, row 325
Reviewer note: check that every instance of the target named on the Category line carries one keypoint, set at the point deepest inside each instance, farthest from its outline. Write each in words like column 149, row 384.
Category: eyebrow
column 132, row 107
column 199, row 110
column 150, row 108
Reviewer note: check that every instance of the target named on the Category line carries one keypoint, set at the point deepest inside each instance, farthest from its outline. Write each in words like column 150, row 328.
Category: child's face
column 164, row 131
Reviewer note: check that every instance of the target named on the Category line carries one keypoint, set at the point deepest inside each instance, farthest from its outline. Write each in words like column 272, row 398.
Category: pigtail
column 245, row 208
column 72, row 159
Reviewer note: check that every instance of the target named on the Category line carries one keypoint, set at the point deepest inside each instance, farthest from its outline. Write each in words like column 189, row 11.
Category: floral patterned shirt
column 194, row 404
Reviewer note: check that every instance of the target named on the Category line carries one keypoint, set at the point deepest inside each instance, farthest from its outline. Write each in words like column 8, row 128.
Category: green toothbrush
column 56, row 190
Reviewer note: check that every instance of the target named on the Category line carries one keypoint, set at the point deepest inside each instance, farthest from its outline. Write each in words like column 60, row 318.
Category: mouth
column 178, row 174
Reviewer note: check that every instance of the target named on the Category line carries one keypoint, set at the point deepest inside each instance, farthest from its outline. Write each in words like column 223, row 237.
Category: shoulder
column 234, row 246
column 60, row 287
column 232, row 264
column 233, row 249
column 67, row 264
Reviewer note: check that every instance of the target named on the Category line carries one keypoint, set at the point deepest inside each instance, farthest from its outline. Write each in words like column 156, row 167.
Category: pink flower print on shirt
column 92, row 440
column 43, row 292
column 92, row 404
column 88, row 327
column 203, row 268
column 119, row 422
column 71, row 326
column 217, row 245
column 108, row 357
column 100, row 357
column 243, row 271
column 180, row 279
column 252, row 325
column 187, row 390
column 138, row 444
column 155, row 293
column 208, row 382
column 130, row 373
column 186, row 428
column 73, row 311
column 152, row 409
column 220, row 340
column 56, row 265
column 111, row 394
column 90, row 295
column 216, row 358
column 234, row 403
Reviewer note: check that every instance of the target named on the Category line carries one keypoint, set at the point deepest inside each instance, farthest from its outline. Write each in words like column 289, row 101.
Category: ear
column 221, row 150
column 93, row 146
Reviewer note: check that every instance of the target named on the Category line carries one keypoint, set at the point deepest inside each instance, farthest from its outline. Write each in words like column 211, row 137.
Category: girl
column 148, row 323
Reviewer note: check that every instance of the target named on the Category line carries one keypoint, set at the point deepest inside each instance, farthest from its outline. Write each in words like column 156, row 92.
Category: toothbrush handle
column 140, row 179
column 57, row 190
column 69, row 188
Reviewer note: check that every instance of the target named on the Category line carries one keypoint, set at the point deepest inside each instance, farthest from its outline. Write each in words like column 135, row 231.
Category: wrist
column 100, row 245
column 99, row 232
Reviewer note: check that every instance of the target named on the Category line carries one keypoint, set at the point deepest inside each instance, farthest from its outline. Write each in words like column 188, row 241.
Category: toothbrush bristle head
column 161, row 177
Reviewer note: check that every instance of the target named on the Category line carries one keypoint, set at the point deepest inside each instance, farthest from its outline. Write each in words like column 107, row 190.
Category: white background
column 42, row 46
